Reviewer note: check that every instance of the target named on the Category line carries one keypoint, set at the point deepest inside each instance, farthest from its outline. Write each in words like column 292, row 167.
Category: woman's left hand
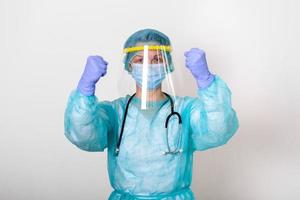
column 196, row 63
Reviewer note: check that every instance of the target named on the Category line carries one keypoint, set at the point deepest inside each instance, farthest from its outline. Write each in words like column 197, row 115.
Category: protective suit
column 142, row 169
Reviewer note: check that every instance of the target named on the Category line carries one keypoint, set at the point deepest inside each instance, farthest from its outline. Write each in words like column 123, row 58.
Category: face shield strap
column 163, row 48
column 151, row 47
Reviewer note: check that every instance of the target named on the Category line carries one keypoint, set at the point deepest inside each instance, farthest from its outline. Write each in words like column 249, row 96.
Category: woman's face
column 154, row 57
column 156, row 66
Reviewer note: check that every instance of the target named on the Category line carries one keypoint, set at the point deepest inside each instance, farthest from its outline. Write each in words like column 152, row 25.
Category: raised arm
column 88, row 122
column 213, row 121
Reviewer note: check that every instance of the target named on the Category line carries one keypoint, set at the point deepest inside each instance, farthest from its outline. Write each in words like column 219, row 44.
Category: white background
column 253, row 45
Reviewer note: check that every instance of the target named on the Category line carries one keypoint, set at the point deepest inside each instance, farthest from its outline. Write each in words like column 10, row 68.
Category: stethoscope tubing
column 166, row 126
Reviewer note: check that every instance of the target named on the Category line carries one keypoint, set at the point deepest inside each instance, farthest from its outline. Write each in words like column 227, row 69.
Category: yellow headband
column 140, row 48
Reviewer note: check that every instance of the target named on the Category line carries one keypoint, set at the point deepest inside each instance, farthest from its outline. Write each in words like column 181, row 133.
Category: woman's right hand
column 95, row 68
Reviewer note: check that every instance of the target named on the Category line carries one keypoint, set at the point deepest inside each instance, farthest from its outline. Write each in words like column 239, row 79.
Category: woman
column 149, row 155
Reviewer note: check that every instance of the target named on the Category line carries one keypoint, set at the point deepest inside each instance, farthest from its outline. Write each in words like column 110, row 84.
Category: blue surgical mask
column 156, row 74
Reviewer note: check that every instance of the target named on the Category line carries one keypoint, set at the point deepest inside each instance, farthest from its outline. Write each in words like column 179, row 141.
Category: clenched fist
column 196, row 63
column 95, row 68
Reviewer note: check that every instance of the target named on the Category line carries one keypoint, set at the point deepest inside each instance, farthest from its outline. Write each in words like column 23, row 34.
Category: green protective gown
column 141, row 170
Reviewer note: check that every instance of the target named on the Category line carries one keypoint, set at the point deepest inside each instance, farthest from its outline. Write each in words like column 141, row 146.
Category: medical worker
column 151, row 135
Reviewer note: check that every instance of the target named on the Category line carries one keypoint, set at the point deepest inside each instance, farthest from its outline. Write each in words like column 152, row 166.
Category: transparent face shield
column 151, row 68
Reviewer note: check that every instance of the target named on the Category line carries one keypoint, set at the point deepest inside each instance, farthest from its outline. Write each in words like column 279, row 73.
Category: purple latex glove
column 95, row 68
column 196, row 62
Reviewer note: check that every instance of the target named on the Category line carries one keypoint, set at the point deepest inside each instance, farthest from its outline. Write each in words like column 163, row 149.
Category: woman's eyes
column 154, row 60
column 157, row 60
column 138, row 60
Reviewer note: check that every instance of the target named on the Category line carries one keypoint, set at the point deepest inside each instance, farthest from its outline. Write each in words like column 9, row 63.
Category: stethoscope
column 173, row 113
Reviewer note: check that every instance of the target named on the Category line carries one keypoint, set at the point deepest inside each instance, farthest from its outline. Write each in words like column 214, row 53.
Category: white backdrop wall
column 253, row 45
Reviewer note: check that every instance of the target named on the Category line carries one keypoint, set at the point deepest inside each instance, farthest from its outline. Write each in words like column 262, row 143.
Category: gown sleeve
column 213, row 121
column 88, row 122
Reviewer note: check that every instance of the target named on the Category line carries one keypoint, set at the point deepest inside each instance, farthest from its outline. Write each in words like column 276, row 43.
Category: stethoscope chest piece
column 175, row 152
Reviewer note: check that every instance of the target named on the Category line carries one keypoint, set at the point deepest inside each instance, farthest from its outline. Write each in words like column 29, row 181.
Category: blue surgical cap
column 145, row 36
